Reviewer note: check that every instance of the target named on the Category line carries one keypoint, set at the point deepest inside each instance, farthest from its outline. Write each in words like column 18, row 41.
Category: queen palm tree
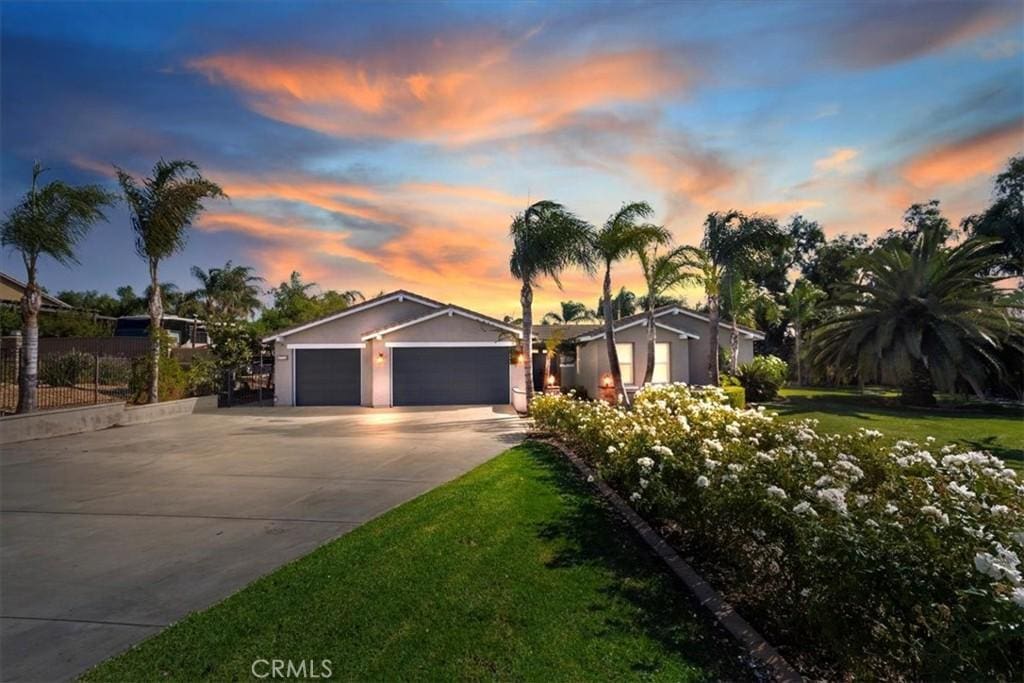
column 162, row 209
column 231, row 292
column 662, row 273
column 547, row 238
column 49, row 221
column 622, row 236
column 929, row 315
column 742, row 302
column 731, row 242
column 571, row 312
column 802, row 303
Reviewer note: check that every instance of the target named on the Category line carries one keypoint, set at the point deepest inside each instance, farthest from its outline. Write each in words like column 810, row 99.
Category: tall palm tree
column 802, row 304
column 929, row 315
column 547, row 238
column 662, row 273
column 162, row 208
column 571, row 312
column 742, row 302
column 49, row 221
column 231, row 292
column 731, row 242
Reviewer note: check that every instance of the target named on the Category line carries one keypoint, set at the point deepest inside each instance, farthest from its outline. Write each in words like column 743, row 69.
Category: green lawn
column 514, row 571
column 998, row 429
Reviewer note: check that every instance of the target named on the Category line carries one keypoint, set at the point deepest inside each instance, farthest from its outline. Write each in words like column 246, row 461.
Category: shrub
column 67, row 370
column 881, row 560
column 763, row 377
column 736, row 396
column 203, row 376
column 114, row 371
column 173, row 381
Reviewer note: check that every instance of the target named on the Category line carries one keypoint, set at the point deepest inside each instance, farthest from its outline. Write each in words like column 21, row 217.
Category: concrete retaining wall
column 48, row 423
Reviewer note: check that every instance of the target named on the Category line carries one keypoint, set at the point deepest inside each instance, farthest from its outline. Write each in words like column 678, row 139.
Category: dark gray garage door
column 327, row 377
column 449, row 376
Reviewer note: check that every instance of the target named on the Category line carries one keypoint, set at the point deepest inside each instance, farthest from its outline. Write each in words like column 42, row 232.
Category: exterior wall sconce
column 551, row 380
column 380, row 357
column 606, row 380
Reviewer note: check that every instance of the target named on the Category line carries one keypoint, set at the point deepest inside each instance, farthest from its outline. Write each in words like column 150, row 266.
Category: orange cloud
column 453, row 96
column 838, row 160
column 981, row 154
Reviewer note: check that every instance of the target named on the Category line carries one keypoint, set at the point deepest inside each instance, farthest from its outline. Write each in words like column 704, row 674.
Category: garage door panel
column 327, row 377
column 424, row 376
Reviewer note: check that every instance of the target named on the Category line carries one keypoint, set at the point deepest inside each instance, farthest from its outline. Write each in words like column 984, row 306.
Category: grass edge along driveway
column 513, row 571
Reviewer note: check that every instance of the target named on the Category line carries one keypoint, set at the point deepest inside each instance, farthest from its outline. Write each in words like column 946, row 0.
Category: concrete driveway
column 110, row 536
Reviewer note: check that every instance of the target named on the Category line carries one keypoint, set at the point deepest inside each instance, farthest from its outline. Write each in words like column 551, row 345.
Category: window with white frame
column 662, row 363
column 625, row 352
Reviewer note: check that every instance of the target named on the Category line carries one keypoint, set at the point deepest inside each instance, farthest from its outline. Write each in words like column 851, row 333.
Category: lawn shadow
column 590, row 533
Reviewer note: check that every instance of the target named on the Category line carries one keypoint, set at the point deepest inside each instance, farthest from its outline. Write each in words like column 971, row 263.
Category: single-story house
column 398, row 349
column 12, row 290
column 405, row 349
column 680, row 351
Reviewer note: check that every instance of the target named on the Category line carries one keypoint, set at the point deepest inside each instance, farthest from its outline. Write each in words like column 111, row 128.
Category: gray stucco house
column 405, row 349
column 398, row 349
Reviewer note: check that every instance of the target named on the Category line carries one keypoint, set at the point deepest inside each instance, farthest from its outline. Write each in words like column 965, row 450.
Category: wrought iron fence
column 67, row 379
column 252, row 385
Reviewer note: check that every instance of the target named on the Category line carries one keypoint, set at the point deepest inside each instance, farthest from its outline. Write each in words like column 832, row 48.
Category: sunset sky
column 386, row 145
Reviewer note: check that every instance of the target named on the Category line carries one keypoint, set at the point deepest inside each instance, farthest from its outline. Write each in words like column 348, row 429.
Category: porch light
column 606, row 380
column 551, row 380
column 380, row 357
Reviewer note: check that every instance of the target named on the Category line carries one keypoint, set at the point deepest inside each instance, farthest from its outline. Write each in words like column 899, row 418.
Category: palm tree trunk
column 918, row 388
column 28, row 372
column 547, row 370
column 797, row 330
column 734, row 345
column 652, row 335
column 526, row 300
column 714, row 316
column 609, row 337
column 156, row 314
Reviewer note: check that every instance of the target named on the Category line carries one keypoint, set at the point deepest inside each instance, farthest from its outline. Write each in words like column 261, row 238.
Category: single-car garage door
column 327, row 377
column 428, row 376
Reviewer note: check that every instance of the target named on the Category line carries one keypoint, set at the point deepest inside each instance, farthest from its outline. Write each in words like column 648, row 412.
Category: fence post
column 96, row 379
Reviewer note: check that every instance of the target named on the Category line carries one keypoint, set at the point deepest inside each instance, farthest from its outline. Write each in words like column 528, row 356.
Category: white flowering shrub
column 863, row 556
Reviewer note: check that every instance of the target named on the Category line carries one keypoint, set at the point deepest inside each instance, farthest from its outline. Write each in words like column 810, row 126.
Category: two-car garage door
column 420, row 376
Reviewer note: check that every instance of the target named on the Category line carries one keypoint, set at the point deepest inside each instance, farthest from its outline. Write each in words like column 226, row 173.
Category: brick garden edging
column 751, row 641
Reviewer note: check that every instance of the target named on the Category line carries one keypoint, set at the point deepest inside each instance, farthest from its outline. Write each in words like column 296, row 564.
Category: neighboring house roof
column 397, row 295
column 638, row 318
column 12, row 285
column 563, row 330
column 641, row 321
column 165, row 318
column 448, row 310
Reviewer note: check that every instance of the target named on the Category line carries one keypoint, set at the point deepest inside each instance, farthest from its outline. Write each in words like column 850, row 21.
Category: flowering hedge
column 857, row 555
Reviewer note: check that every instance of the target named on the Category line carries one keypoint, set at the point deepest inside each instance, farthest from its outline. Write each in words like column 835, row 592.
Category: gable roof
column 630, row 320
column 397, row 295
column 16, row 284
column 449, row 310
column 598, row 334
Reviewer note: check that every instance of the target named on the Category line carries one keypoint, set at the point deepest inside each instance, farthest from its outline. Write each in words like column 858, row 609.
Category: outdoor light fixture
column 606, row 380
column 551, row 380
column 380, row 357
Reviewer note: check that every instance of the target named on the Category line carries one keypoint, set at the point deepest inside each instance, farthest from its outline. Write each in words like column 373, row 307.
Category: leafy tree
column 49, row 221
column 928, row 315
column 1004, row 220
column 662, row 273
column 129, row 302
column 228, row 293
column 802, row 305
column 836, row 262
column 162, row 208
column 744, row 303
column 731, row 243
column 295, row 303
column 622, row 236
column 918, row 219
column 571, row 312
column 547, row 238
column 624, row 303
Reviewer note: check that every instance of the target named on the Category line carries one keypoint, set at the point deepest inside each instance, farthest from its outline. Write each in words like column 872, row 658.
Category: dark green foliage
column 737, row 396
column 1004, row 220
column 67, row 370
column 763, row 377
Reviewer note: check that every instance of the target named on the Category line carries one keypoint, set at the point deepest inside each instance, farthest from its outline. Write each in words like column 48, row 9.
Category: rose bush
column 858, row 556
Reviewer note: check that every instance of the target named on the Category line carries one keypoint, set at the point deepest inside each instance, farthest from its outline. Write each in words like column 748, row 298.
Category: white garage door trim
column 299, row 347
column 413, row 345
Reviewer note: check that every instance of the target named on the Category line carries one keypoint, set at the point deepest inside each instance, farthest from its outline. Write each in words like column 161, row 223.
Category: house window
column 625, row 352
column 662, row 363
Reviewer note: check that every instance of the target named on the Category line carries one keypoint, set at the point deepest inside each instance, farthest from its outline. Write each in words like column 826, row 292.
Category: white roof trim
column 681, row 311
column 643, row 321
column 746, row 333
column 299, row 347
column 397, row 296
column 449, row 311
column 681, row 333
column 440, row 345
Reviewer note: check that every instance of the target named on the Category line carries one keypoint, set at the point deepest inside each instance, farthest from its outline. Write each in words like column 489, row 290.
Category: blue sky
column 383, row 145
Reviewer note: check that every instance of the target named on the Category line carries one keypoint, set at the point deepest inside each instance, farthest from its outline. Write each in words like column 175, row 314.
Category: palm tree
column 731, row 242
column 572, row 312
column 231, row 292
column 162, row 209
column 928, row 315
column 49, row 221
column 547, row 238
column 743, row 301
column 662, row 272
column 620, row 237
column 801, row 307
